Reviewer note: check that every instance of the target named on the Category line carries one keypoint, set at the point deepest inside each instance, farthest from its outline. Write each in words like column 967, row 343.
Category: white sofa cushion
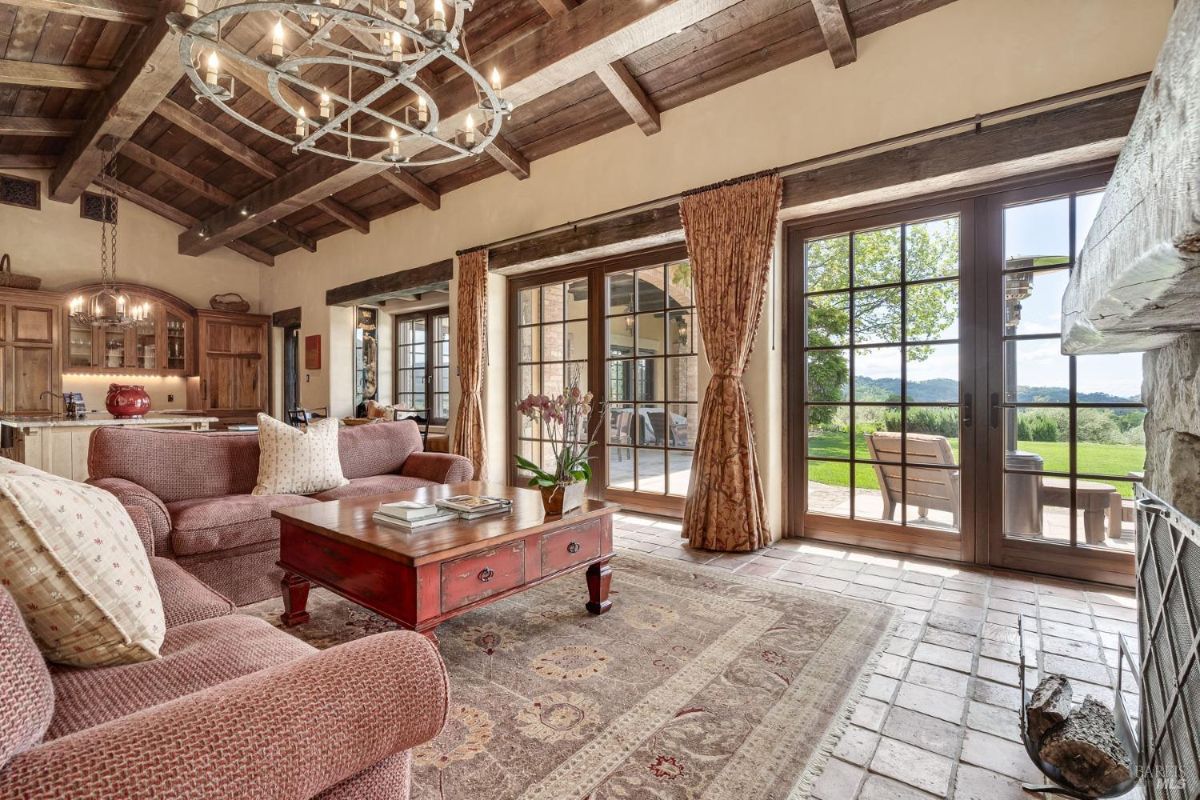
column 294, row 461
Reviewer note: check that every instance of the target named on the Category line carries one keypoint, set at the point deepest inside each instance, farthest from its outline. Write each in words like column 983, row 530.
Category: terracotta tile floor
column 940, row 716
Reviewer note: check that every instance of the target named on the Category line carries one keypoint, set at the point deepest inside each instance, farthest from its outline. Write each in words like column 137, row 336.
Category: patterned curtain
column 468, row 439
column 730, row 234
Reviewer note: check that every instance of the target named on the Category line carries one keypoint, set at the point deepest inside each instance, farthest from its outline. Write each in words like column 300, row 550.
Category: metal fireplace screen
column 1169, row 645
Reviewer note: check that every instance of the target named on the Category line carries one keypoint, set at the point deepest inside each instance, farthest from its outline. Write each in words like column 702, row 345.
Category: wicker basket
column 229, row 302
column 10, row 281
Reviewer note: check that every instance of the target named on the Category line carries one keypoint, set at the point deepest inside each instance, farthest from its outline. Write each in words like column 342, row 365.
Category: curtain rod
column 975, row 122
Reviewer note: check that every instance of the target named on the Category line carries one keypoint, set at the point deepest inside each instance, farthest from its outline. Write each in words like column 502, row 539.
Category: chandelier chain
column 108, row 223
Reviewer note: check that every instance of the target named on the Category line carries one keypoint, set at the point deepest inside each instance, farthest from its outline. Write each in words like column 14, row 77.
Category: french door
column 885, row 455
column 625, row 329
column 1065, row 433
column 940, row 416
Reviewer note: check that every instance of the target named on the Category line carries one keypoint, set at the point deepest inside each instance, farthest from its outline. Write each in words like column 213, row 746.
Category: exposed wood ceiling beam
column 625, row 89
column 196, row 184
column 131, row 12
column 38, row 126
column 561, row 51
column 405, row 182
column 149, row 71
column 835, row 26
column 619, row 81
column 138, row 197
column 1083, row 133
column 251, row 158
column 509, row 157
column 23, row 161
column 53, row 76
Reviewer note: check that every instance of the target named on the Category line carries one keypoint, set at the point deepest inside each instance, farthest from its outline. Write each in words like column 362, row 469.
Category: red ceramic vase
column 127, row 402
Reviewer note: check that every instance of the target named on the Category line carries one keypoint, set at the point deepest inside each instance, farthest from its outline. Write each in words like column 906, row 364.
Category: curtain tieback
column 720, row 376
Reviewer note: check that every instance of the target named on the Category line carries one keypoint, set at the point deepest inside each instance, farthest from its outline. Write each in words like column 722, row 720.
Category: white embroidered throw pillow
column 293, row 461
column 72, row 558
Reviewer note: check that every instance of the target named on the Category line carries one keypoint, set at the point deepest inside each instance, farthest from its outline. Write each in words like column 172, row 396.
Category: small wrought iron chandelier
column 383, row 112
column 108, row 306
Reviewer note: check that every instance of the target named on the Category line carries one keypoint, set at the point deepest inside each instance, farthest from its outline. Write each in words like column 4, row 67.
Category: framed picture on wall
column 312, row 351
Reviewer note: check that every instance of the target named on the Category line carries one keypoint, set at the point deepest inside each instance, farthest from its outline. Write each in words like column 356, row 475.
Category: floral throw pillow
column 72, row 559
column 294, row 461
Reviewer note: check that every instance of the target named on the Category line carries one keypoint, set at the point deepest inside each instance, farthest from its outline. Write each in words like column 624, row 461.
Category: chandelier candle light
column 358, row 62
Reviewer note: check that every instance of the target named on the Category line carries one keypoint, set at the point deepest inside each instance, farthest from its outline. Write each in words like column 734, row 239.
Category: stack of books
column 413, row 515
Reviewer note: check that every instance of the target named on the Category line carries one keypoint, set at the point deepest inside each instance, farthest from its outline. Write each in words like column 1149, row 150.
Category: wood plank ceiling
column 77, row 73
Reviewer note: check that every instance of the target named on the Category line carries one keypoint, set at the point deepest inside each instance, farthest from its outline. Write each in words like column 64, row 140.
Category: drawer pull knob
column 486, row 574
column 573, row 548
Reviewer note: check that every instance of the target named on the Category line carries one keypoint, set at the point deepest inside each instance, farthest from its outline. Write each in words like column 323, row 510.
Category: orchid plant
column 564, row 421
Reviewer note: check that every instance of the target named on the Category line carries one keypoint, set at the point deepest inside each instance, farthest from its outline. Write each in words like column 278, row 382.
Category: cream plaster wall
column 969, row 57
column 60, row 247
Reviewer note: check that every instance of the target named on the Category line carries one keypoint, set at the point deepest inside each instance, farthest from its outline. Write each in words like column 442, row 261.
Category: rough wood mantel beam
column 835, row 27
column 561, row 51
column 619, row 81
column 150, row 70
column 154, row 205
column 1137, row 284
column 220, row 140
column 53, row 76
column 131, row 12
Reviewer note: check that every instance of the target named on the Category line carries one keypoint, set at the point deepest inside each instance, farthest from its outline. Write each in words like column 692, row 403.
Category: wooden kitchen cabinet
column 232, row 361
column 30, row 352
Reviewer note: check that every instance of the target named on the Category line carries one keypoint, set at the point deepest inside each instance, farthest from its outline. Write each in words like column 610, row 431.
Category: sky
column 1036, row 229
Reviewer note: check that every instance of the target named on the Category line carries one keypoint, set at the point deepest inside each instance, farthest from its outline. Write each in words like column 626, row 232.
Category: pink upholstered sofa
column 195, row 489
column 232, row 708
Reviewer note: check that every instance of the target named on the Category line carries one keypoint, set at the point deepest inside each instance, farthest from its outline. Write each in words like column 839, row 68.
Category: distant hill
column 944, row 390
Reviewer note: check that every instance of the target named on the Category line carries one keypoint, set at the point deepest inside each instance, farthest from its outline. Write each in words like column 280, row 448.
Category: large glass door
column 625, row 328
column 1066, row 433
column 885, row 456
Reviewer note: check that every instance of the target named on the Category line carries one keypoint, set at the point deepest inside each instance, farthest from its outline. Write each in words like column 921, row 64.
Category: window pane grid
column 1080, row 456
column 423, row 364
column 861, row 345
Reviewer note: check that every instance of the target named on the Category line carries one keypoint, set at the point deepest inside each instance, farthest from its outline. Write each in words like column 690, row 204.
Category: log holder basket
column 1125, row 730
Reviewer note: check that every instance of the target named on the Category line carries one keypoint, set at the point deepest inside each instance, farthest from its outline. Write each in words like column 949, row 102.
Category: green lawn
column 1100, row 459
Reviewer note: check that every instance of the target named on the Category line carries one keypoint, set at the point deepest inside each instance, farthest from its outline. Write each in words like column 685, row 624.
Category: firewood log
column 1049, row 705
column 1086, row 749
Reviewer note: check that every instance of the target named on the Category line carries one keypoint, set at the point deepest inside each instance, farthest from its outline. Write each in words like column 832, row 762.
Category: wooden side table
column 1096, row 500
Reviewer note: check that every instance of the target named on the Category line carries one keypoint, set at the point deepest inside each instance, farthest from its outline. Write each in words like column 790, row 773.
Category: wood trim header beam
column 1082, row 133
column 383, row 287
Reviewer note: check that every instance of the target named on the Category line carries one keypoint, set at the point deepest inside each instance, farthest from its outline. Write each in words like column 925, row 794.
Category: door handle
column 995, row 413
column 968, row 410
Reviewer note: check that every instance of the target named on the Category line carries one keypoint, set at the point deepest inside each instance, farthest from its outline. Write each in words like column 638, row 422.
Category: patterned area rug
column 697, row 684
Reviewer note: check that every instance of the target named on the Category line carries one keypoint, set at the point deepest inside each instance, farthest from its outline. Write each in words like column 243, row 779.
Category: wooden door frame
column 888, row 536
column 595, row 271
column 1082, row 563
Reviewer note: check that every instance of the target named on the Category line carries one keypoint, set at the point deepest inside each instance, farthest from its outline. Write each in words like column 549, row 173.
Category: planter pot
column 564, row 497
column 127, row 402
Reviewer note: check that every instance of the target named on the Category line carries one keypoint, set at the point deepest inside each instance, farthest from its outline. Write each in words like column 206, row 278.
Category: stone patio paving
column 940, row 716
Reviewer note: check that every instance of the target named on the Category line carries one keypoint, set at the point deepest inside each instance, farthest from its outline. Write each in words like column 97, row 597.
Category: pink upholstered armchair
column 233, row 708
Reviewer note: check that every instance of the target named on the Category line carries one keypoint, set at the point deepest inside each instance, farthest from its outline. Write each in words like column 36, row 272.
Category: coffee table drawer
column 473, row 578
column 575, row 545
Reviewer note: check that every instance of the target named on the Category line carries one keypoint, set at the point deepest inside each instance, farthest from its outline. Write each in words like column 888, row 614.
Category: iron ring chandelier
column 400, row 131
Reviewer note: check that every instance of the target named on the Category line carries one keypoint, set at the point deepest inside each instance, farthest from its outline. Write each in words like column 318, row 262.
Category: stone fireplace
column 1171, row 389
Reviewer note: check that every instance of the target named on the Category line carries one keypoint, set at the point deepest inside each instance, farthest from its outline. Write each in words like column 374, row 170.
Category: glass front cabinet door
column 160, row 344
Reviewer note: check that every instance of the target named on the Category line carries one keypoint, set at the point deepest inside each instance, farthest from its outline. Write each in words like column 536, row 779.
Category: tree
column 929, row 250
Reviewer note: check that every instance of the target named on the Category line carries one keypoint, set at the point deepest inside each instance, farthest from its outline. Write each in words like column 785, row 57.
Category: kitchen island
column 59, row 445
